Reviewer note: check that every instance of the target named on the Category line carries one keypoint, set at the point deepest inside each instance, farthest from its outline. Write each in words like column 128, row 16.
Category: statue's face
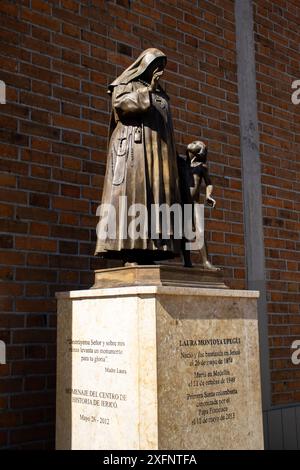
column 157, row 65
column 161, row 62
column 197, row 148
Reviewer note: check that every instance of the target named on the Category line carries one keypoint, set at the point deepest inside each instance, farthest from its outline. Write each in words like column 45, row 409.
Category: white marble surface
column 92, row 321
column 149, row 326
column 159, row 290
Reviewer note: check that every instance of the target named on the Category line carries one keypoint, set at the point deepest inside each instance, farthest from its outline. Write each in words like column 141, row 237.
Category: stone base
column 151, row 367
column 159, row 275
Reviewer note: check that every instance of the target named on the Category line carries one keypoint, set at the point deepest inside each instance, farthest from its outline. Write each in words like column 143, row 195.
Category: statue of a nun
column 141, row 167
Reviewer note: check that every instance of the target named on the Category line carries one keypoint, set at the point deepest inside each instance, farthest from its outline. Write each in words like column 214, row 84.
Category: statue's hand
column 156, row 76
column 210, row 202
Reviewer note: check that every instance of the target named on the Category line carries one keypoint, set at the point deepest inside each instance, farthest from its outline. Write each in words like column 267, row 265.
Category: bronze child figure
column 193, row 169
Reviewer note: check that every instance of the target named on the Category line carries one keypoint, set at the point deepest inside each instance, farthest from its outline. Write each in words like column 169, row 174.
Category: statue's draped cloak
column 141, row 164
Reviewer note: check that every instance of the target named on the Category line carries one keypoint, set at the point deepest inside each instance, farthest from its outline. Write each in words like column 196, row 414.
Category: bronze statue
column 193, row 169
column 141, row 161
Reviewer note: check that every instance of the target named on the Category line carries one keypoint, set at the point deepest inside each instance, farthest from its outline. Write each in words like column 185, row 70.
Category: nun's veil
column 137, row 68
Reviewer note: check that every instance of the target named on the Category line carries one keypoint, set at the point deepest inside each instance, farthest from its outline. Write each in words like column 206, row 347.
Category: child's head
column 197, row 149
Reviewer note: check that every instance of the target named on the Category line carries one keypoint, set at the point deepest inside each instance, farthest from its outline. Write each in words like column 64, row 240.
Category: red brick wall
column 57, row 58
column 277, row 27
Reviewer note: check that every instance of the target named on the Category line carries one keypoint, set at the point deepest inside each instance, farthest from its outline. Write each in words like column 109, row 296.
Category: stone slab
column 167, row 274
column 152, row 367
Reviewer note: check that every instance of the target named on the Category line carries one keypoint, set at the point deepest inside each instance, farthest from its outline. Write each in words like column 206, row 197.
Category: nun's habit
column 141, row 164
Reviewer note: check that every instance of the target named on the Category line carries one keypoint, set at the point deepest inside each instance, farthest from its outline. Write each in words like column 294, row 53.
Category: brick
column 4, row 372
column 31, row 128
column 71, row 191
column 35, row 305
column 40, row 200
column 6, row 304
column 36, row 244
column 72, row 163
column 10, row 288
column 3, row 438
column 69, row 262
column 70, row 95
column 71, row 82
column 36, row 320
column 15, row 80
column 71, row 177
column 71, row 123
column 6, row 273
column 73, row 205
column 35, row 352
column 6, row 241
column 66, row 218
column 10, row 419
column 60, row 231
column 36, row 433
column 73, row 150
column 71, row 30
column 11, row 258
column 68, row 247
column 8, row 180
column 38, row 274
column 13, row 196
column 39, row 73
column 33, row 416
column 71, row 110
column 39, row 229
column 6, row 210
column 36, row 290
column 9, row 9
column 71, row 277
column 41, row 20
column 14, row 226
column 40, row 6
column 124, row 49
column 38, row 101
column 39, row 185
column 33, row 336
column 40, row 156
column 31, row 367
column 71, row 136
column 11, row 385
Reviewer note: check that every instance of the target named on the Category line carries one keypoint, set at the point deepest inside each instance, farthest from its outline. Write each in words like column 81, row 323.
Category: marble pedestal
column 158, row 367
